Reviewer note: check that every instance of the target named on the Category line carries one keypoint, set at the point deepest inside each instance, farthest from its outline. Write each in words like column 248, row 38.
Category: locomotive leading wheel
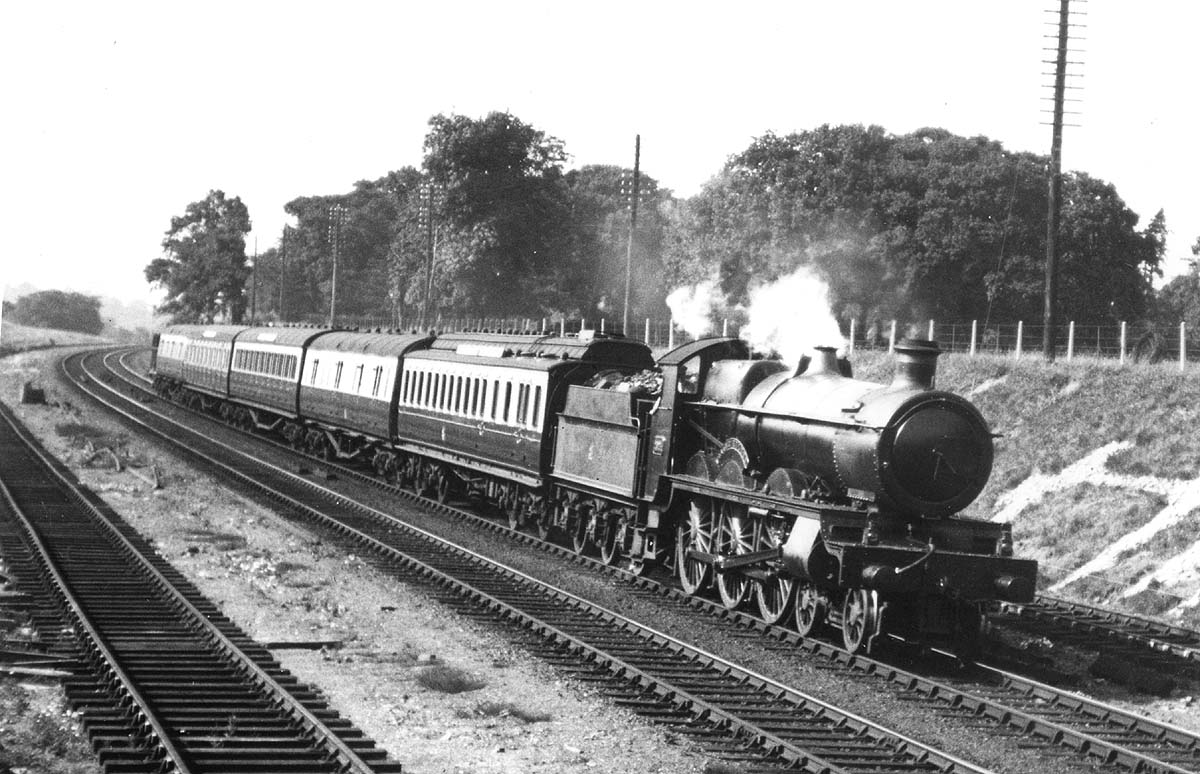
column 695, row 530
column 810, row 609
column 860, row 619
column 734, row 536
column 774, row 594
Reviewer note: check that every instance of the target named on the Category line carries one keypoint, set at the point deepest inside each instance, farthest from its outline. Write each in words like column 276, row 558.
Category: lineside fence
column 1121, row 342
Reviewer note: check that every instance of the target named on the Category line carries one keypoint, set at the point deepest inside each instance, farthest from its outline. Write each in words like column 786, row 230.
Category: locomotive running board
column 756, row 499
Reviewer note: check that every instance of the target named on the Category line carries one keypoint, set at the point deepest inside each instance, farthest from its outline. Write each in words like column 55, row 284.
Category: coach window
column 312, row 379
column 358, row 378
column 495, row 397
column 507, row 402
column 536, row 421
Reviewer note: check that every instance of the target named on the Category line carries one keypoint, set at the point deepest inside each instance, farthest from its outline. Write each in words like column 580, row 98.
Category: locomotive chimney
column 823, row 361
column 916, row 364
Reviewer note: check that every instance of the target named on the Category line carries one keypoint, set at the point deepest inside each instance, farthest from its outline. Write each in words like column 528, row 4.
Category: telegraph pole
column 633, row 209
column 254, row 284
column 282, row 270
column 1054, row 197
column 430, row 197
column 337, row 218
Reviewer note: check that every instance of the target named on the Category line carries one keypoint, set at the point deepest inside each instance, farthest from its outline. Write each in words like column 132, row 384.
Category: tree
column 58, row 309
column 204, row 269
column 504, row 235
column 1179, row 299
column 914, row 226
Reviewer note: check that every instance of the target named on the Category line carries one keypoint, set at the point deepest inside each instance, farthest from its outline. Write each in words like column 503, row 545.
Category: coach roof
column 205, row 332
column 382, row 344
column 281, row 336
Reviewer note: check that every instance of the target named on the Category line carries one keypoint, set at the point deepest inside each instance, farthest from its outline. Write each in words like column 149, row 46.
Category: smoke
column 789, row 316
column 692, row 307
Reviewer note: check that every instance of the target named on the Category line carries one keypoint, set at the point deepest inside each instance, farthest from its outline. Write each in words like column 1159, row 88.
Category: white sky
column 118, row 114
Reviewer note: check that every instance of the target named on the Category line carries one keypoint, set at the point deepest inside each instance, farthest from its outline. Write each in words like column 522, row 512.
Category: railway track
column 1004, row 701
column 1074, row 621
column 161, row 680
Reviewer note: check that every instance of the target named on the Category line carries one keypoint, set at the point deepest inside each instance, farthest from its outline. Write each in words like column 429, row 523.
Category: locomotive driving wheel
column 734, row 536
column 695, row 530
column 810, row 609
column 774, row 593
column 860, row 619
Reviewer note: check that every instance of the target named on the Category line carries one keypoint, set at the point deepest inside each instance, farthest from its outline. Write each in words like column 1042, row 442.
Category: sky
column 117, row 115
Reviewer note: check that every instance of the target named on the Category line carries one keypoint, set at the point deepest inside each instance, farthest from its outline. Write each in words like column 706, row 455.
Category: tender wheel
column 734, row 536
column 582, row 528
column 810, row 610
column 860, row 619
column 775, row 594
column 612, row 542
column 695, row 530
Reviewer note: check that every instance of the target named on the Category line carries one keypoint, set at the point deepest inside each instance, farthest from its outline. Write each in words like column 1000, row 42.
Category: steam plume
column 692, row 307
column 791, row 316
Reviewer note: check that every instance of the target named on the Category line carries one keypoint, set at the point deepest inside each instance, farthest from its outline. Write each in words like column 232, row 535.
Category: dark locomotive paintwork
column 758, row 475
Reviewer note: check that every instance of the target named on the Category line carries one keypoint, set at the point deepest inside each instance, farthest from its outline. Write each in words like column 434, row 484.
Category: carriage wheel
column 734, row 536
column 514, row 506
column 810, row 609
column 774, row 594
column 613, row 540
column 443, row 483
column 860, row 619
column 424, row 479
column 694, row 531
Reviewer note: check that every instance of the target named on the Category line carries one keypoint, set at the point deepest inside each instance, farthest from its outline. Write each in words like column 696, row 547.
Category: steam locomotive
column 822, row 500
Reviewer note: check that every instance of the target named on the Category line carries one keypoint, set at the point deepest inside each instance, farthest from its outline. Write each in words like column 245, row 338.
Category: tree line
column 913, row 226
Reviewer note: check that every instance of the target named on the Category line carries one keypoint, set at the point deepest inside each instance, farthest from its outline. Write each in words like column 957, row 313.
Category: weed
column 448, row 679
column 500, row 709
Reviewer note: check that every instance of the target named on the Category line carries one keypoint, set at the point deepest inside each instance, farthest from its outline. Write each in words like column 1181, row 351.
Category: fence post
column 1124, row 330
column 671, row 333
column 930, row 336
column 562, row 326
column 646, row 337
column 852, row 327
column 601, row 325
column 1182, row 346
column 974, row 333
column 892, row 338
column 725, row 326
column 1070, row 340
column 1020, row 336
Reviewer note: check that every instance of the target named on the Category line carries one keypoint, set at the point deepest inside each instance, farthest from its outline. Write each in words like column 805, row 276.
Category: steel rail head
column 140, row 706
column 350, row 760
